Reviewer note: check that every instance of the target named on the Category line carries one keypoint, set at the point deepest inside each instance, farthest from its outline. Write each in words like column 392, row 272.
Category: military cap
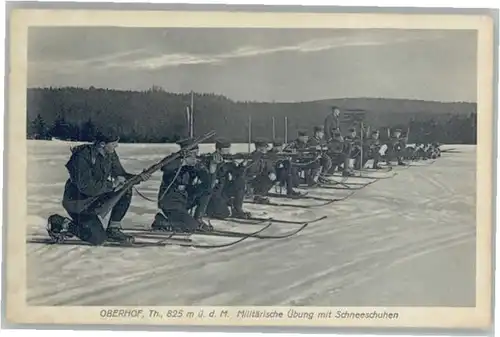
column 352, row 129
column 107, row 136
column 222, row 143
column 375, row 132
column 337, row 134
column 397, row 130
column 277, row 142
column 184, row 143
column 319, row 128
column 302, row 133
column 261, row 142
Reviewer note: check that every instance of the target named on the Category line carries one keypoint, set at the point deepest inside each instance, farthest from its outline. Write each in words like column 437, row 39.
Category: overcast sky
column 260, row 64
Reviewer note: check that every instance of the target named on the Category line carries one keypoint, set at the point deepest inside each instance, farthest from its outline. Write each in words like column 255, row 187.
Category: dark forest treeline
column 158, row 116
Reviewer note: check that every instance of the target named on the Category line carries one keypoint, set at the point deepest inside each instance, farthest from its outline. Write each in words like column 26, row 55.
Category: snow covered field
column 404, row 241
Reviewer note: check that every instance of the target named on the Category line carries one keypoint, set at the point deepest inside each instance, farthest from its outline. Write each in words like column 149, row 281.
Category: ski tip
column 267, row 226
column 316, row 220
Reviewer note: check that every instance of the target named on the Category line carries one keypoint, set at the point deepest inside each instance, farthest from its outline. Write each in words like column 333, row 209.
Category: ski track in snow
column 413, row 231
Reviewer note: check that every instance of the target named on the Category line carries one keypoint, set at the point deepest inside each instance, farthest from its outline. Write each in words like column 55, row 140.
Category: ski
column 168, row 235
column 343, row 186
column 383, row 169
column 360, row 175
column 377, row 178
column 344, row 178
column 224, row 233
column 155, row 232
column 160, row 243
column 331, row 186
column 242, row 238
column 260, row 236
column 304, row 196
column 413, row 164
column 277, row 204
column 77, row 242
column 294, row 222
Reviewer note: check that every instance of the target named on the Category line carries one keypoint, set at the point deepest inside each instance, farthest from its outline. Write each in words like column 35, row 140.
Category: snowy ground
column 404, row 241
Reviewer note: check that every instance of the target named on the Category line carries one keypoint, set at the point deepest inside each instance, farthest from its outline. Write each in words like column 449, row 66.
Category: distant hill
column 155, row 114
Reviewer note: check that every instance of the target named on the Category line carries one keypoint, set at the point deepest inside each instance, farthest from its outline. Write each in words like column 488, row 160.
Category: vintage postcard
column 250, row 168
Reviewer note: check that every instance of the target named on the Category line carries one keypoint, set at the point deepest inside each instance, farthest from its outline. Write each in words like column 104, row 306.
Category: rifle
column 243, row 156
column 103, row 204
column 228, row 157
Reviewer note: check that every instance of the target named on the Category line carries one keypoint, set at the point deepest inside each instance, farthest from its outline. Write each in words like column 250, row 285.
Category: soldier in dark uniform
column 298, row 144
column 286, row 173
column 332, row 123
column 260, row 172
column 278, row 146
column 318, row 138
column 228, row 184
column 431, row 151
column 94, row 170
column 318, row 143
column 353, row 148
column 436, row 150
column 371, row 149
column 309, row 166
column 418, row 151
column 186, row 185
column 395, row 147
column 337, row 151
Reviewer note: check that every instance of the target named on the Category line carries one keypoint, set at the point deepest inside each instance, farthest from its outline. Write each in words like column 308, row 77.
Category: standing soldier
column 94, row 171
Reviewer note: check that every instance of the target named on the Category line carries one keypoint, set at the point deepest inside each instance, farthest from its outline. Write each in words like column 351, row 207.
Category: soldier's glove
column 118, row 183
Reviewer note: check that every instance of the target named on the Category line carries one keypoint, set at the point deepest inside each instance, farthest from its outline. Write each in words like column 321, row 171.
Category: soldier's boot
column 261, row 200
column 240, row 214
column 161, row 223
column 204, row 226
column 59, row 228
column 114, row 233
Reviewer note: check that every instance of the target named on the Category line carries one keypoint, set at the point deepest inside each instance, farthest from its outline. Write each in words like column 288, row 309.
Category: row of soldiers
column 213, row 185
